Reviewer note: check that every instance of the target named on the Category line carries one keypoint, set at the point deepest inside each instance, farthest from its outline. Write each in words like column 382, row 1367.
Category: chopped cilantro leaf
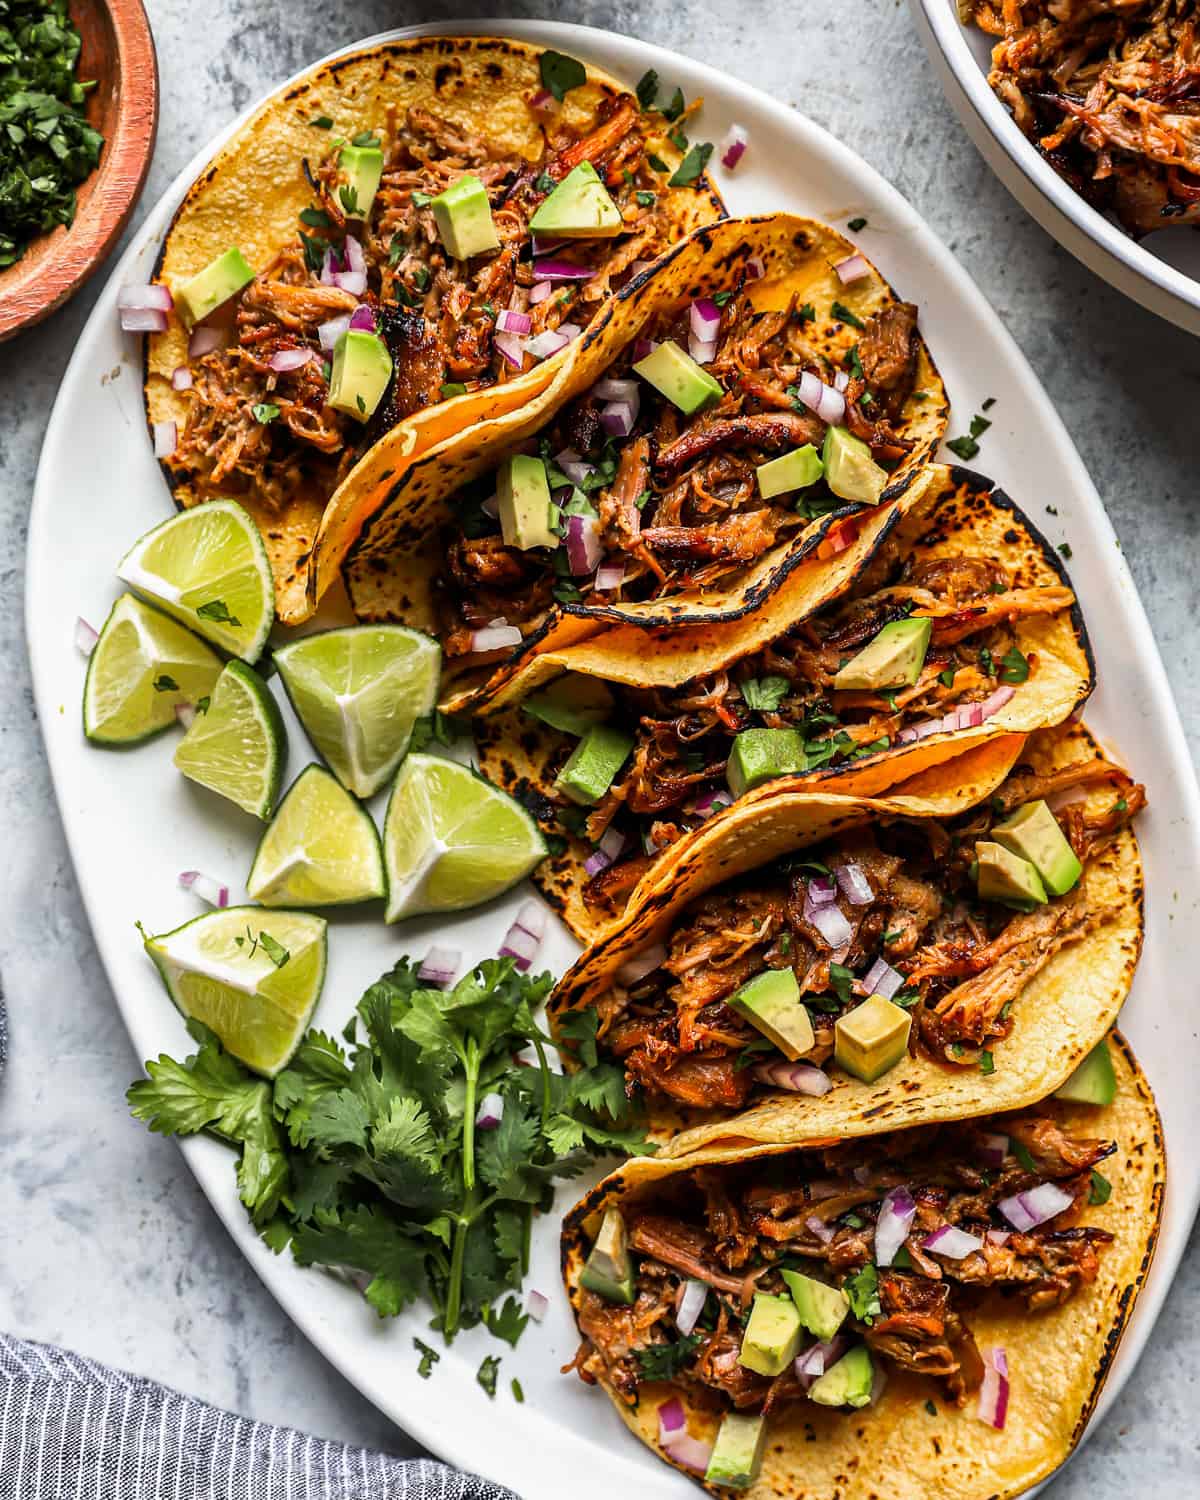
column 646, row 199
column 1100, row 1190
column 165, row 684
column 806, row 313
column 844, row 315
column 218, row 610
column 692, row 165
column 765, row 694
column 264, row 411
column 664, row 1361
column 841, row 978
column 429, row 1358
column 963, row 447
column 657, row 163
column 365, row 138
column 544, row 183
column 854, row 225
column 989, row 403
column 647, row 88
column 561, row 74
column 1015, row 665
column 946, row 678
column 274, row 950
column 979, row 425
column 674, row 106
column 931, row 1408
column 321, row 122
column 518, row 1393
column 862, row 1292
column 490, row 1368
column 316, row 218
column 1065, row 549
column 1021, row 1151
column 987, row 1063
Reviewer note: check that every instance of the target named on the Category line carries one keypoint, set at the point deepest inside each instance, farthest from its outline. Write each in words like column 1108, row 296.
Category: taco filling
column 807, row 1277
column 422, row 241
column 906, row 936
column 933, row 649
column 716, row 436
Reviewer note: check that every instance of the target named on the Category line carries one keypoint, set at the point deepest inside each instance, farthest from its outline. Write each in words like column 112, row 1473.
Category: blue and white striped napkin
column 70, row 1427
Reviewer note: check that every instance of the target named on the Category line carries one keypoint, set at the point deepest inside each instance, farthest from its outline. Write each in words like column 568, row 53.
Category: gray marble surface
column 107, row 1244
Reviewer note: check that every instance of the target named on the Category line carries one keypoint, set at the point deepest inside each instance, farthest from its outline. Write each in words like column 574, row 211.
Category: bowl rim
column 128, row 150
column 1170, row 293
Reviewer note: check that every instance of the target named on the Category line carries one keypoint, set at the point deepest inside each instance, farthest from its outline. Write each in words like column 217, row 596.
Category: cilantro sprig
column 366, row 1157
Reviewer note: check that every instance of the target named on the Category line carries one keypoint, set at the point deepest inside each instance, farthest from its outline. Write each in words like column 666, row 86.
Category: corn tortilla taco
column 665, row 478
column 400, row 188
column 943, row 624
column 876, row 959
column 901, row 1314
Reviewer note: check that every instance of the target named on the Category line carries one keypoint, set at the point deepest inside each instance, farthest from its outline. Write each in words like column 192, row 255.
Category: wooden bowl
column 118, row 51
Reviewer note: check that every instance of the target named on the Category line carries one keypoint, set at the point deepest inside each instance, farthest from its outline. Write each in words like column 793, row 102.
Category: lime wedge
column 141, row 669
column 208, row 567
column 452, row 839
column 239, row 747
column 252, row 976
column 358, row 692
column 321, row 848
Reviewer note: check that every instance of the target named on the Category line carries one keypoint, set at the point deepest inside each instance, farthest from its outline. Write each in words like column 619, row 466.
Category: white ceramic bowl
column 1161, row 272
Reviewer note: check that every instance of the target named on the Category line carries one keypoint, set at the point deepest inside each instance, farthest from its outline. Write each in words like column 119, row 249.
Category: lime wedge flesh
column 452, row 840
column 358, row 692
column 238, row 748
column 208, row 567
column 141, row 669
column 321, row 848
column 252, row 976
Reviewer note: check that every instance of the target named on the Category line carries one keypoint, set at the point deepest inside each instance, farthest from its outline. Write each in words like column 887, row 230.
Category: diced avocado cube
column 737, row 1453
column 608, row 1270
column 772, row 1335
column 771, row 1001
column 760, row 755
column 822, row 1308
column 579, row 208
column 891, row 659
column 678, row 377
column 220, row 279
column 848, row 1383
column 573, row 704
column 1093, row 1081
column 362, row 167
column 361, row 370
column 850, row 471
column 1007, row 878
column 528, row 515
column 793, row 471
column 594, row 764
column 872, row 1038
column 464, row 219
column 1033, row 833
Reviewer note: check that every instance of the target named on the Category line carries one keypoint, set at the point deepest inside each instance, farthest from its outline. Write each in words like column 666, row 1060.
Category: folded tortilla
column 910, row 1442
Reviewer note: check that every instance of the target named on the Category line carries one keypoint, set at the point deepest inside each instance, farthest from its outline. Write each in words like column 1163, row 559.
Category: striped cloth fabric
column 71, row 1429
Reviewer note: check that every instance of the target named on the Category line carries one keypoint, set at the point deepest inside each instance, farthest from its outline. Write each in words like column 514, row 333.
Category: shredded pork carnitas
column 963, row 962
column 732, row 1226
column 1109, row 91
column 252, row 429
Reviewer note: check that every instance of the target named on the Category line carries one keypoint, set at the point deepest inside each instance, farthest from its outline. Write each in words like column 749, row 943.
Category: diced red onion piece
column 440, row 966
column 1025, row 1211
column 595, row 863
column 755, row 269
column 524, row 937
column 797, row 1077
column 584, row 549
column 671, row 1417
column 165, row 439
column 1065, row 797
column 576, row 470
column 330, row 332
column 205, row 887
column 690, row 1304
column 613, row 842
column 145, row 295
column 536, row 1304
column 495, row 638
column 993, row 1393
column 830, row 923
column 616, row 390
column 618, row 418
column 823, row 1231
column 704, row 319
column 85, row 637
column 712, row 802
column 993, row 1150
column 570, row 331
column 952, row 1242
column 186, row 714
column 610, row 576
column 284, row 360
column 733, row 146
column 688, row 1452
column 363, row 319
column 644, row 963
column 540, row 291
column 181, row 378
column 896, row 1214
column 854, row 884
column 998, row 1236
column 490, row 1112
column 643, row 348
column 814, row 1361
column 703, row 351
column 853, row 268
column 821, row 891
column 512, row 346
column 821, row 399
column 561, row 270
column 638, row 267
column 354, row 282
column 882, row 979
column 143, row 320
column 355, row 259
column 543, row 345
column 997, row 700
column 330, row 266
column 508, row 321
column 841, row 380
column 203, row 341
column 546, row 247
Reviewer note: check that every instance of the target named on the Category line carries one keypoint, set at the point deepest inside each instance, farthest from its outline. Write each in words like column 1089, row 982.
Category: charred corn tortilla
column 945, row 515
column 1058, row 1359
column 252, row 193
column 393, row 534
column 1057, row 1016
